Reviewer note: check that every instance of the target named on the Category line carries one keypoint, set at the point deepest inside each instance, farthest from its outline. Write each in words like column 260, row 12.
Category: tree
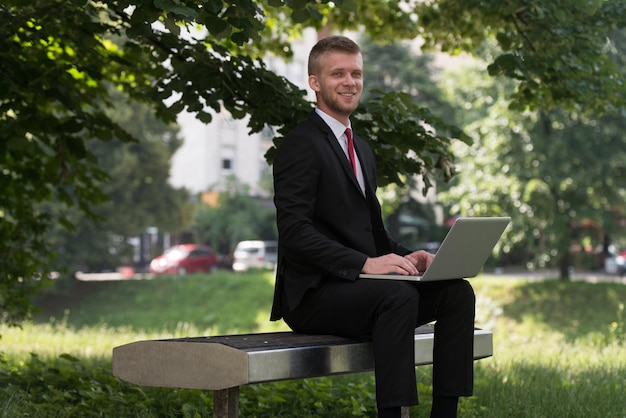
column 139, row 195
column 551, row 170
column 58, row 60
column 560, row 53
column 573, row 171
column 235, row 217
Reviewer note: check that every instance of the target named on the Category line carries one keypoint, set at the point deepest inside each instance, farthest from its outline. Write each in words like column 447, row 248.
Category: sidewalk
column 114, row 275
column 547, row 274
column 588, row 276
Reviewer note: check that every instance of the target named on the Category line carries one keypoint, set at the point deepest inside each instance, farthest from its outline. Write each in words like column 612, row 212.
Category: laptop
column 462, row 253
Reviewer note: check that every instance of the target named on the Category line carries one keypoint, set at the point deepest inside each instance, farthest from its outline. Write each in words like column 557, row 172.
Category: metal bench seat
column 223, row 363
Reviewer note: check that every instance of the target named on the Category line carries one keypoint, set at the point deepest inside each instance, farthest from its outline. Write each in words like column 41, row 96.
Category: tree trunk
column 564, row 266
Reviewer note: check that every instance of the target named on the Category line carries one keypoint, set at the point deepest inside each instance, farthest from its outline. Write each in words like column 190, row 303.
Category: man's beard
column 334, row 104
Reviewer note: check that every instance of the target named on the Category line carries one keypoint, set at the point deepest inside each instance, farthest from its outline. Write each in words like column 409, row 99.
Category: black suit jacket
column 326, row 225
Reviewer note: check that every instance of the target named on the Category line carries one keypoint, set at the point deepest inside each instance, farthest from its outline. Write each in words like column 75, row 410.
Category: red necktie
column 351, row 149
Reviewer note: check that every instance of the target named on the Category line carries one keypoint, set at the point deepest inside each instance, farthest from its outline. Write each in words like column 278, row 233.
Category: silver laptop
column 462, row 253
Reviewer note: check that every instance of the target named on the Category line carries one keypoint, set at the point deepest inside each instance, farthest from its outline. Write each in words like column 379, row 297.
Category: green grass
column 559, row 351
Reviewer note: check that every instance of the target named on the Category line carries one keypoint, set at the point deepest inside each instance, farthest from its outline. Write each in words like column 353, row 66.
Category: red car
column 620, row 260
column 185, row 258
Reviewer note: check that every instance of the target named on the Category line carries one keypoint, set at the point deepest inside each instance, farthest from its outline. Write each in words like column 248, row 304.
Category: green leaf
column 177, row 8
column 72, row 126
column 205, row 117
column 349, row 5
column 240, row 38
column 297, row 4
column 505, row 64
column 217, row 27
column 170, row 24
column 177, row 107
column 163, row 4
column 300, row 15
column 504, row 40
column 213, row 7
column 185, row 12
column 76, row 147
column 15, row 143
column 315, row 14
column 139, row 29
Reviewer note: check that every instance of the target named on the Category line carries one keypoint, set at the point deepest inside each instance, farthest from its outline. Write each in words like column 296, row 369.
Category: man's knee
column 467, row 291
column 461, row 294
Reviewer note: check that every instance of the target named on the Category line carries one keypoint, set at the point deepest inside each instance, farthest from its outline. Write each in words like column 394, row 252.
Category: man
column 330, row 230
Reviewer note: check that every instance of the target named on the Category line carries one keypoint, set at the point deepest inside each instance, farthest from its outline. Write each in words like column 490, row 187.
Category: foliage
column 59, row 60
column 557, row 349
column 580, row 194
column 560, row 53
column 389, row 119
column 88, row 391
column 397, row 67
column 394, row 67
column 51, row 103
column 400, row 95
column 553, row 171
column 350, row 396
column 236, row 217
column 138, row 191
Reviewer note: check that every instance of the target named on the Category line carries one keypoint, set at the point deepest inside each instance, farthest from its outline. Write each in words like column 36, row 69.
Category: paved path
column 114, row 275
column 589, row 276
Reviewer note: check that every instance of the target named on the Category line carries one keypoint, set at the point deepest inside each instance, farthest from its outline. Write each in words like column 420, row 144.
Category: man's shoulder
column 309, row 130
column 313, row 124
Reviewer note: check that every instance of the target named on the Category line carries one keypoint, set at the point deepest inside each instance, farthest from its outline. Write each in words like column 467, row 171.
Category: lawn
column 559, row 351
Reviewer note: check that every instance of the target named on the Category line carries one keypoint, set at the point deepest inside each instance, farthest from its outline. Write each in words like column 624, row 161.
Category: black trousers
column 387, row 312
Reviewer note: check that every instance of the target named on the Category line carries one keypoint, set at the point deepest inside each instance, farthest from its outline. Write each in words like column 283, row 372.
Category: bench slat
column 285, row 339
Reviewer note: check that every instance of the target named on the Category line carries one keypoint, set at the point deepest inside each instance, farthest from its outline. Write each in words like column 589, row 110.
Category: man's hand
column 409, row 265
column 420, row 259
column 390, row 263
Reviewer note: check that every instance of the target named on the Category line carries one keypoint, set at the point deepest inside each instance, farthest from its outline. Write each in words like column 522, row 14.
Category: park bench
column 224, row 363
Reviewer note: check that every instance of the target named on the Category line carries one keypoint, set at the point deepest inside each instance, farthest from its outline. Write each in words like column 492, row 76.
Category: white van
column 255, row 254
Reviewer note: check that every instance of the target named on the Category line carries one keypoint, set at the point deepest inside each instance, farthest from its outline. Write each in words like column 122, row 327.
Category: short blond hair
column 327, row 45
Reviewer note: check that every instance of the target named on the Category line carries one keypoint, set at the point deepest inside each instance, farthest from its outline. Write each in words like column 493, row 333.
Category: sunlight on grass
column 62, row 333
column 51, row 340
column 558, row 346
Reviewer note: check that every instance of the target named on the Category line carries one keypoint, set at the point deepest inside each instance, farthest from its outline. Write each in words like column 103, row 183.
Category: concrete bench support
column 224, row 363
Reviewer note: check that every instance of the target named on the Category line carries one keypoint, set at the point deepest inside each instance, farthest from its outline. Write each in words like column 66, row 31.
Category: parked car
column 255, row 254
column 620, row 261
column 616, row 264
column 185, row 258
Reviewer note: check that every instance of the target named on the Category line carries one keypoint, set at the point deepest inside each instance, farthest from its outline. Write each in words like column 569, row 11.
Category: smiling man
column 330, row 230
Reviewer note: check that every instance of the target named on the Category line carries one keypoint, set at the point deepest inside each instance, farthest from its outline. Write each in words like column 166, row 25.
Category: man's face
column 339, row 84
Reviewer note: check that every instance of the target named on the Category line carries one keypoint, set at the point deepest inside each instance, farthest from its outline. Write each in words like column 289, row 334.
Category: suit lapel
column 338, row 151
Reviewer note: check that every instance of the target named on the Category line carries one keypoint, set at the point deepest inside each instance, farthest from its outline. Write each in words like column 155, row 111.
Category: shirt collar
column 337, row 127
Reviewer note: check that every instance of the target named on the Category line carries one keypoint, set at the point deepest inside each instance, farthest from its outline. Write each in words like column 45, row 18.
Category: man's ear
column 314, row 83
